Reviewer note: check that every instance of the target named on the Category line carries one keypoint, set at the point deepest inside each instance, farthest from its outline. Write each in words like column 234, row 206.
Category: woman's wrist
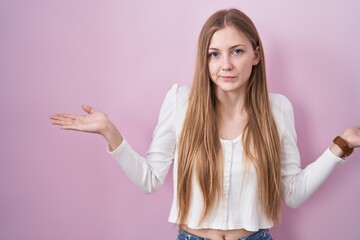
column 112, row 135
column 336, row 150
column 341, row 146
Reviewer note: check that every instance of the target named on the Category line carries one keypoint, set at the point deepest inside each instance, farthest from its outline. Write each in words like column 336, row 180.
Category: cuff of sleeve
column 332, row 157
column 118, row 149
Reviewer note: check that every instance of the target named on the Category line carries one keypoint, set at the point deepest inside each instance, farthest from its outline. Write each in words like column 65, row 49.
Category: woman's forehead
column 228, row 37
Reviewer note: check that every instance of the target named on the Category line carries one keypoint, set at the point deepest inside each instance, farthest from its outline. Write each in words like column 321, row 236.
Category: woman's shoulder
column 182, row 89
column 180, row 92
column 280, row 104
column 279, row 100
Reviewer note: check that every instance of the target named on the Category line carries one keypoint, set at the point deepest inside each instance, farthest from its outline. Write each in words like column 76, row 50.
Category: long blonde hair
column 199, row 145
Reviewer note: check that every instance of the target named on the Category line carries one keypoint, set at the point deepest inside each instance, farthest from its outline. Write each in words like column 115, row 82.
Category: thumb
column 88, row 109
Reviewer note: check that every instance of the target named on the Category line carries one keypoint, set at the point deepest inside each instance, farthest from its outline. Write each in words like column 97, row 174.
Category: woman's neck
column 230, row 104
column 232, row 115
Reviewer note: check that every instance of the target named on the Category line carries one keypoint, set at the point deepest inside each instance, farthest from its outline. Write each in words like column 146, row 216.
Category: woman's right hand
column 94, row 122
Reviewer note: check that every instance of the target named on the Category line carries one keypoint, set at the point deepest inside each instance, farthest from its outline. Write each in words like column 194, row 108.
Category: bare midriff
column 214, row 234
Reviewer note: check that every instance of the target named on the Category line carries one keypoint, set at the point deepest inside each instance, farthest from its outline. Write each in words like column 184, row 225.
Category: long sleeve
column 299, row 184
column 149, row 172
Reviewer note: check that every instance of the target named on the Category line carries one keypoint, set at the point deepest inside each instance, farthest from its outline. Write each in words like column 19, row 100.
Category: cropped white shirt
column 239, row 207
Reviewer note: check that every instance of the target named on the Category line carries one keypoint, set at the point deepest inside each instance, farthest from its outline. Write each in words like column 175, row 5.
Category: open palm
column 94, row 122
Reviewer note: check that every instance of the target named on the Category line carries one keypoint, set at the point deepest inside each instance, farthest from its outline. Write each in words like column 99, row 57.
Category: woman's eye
column 237, row 51
column 214, row 54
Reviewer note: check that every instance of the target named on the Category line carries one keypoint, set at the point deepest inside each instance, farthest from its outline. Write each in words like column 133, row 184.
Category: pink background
column 122, row 57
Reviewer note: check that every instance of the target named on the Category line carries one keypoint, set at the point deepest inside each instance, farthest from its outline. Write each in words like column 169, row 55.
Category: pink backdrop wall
column 122, row 57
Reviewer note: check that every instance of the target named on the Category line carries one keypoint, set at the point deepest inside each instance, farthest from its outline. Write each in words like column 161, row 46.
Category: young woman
column 232, row 143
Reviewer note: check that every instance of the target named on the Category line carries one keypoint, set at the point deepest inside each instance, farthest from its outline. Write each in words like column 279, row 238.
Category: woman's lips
column 227, row 78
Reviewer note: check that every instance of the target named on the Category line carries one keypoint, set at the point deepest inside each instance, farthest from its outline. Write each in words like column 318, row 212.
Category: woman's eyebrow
column 232, row 47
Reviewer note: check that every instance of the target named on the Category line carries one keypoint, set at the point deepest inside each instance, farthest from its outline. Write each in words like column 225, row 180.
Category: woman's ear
column 257, row 58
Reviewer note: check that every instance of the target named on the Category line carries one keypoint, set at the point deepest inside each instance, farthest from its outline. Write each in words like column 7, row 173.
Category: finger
column 88, row 109
column 71, row 127
column 64, row 116
column 75, row 126
column 54, row 116
column 63, row 122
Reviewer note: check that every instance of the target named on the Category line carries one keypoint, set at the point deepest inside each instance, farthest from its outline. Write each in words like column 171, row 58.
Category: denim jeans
column 262, row 234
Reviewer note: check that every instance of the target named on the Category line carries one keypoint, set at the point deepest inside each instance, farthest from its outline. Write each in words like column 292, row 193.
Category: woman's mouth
column 227, row 78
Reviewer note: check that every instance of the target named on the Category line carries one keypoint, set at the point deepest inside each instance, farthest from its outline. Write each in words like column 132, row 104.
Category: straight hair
column 200, row 152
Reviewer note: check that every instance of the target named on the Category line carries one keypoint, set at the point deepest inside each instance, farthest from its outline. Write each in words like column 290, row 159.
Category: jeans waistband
column 261, row 234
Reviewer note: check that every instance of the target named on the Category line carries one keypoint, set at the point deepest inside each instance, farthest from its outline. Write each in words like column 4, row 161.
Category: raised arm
column 299, row 184
column 147, row 172
column 94, row 121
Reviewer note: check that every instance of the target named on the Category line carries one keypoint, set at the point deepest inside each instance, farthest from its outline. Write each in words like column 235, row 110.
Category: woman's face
column 231, row 58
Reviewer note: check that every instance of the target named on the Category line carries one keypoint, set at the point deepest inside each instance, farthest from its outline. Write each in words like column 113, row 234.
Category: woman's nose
column 226, row 64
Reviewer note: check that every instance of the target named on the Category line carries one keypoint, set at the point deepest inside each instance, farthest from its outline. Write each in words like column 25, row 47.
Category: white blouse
column 239, row 207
